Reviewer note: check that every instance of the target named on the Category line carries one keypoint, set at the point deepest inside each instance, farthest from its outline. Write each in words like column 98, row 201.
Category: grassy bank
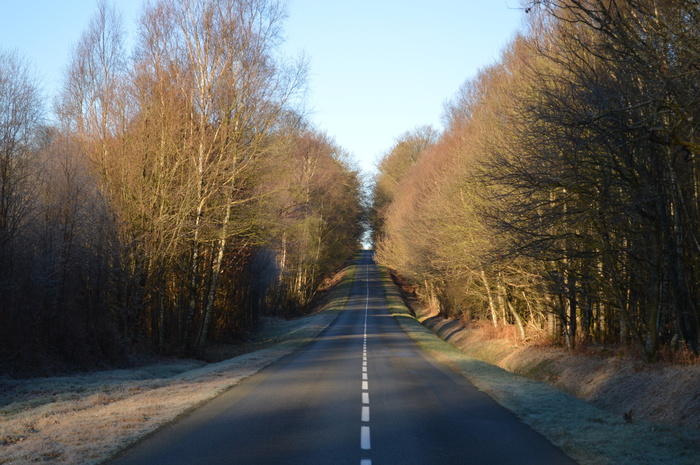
column 89, row 417
column 590, row 435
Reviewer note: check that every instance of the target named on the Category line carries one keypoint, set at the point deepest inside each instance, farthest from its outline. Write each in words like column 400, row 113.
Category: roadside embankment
column 589, row 433
column 87, row 418
column 633, row 389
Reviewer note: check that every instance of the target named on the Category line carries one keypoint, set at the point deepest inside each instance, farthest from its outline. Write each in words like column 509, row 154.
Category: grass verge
column 88, row 418
column 590, row 435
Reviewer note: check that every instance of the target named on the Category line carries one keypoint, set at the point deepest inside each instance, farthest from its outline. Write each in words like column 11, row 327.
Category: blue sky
column 378, row 67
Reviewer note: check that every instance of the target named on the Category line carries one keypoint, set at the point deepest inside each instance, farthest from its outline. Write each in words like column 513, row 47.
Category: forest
column 171, row 194
column 562, row 198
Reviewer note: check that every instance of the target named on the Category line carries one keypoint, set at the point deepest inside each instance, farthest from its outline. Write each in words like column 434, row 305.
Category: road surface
column 362, row 393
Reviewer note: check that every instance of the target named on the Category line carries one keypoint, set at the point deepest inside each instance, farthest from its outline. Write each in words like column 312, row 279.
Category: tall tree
column 20, row 115
column 392, row 168
column 573, row 163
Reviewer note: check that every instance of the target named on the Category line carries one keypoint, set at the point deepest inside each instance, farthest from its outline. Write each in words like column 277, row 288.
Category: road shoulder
column 588, row 434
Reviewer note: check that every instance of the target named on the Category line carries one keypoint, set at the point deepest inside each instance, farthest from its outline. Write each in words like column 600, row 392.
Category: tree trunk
column 492, row 305
column 215, row 273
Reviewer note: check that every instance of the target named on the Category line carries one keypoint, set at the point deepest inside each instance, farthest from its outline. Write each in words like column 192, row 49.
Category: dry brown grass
column 87, row 418
column 615, row 379
column 589, row 434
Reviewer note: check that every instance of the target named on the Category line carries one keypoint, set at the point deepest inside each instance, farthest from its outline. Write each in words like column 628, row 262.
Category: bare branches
column 574, row 162
column 152, row 214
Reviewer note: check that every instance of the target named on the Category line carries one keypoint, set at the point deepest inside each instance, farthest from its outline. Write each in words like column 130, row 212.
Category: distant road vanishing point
column 362, row 393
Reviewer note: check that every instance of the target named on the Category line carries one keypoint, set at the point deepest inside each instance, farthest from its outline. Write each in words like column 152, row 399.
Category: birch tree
column 215, row 65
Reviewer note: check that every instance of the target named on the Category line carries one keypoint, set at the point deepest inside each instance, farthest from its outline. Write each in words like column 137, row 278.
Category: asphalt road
column 362, row 393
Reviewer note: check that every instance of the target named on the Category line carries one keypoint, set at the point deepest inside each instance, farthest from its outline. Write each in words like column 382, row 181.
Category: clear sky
column 378, row 67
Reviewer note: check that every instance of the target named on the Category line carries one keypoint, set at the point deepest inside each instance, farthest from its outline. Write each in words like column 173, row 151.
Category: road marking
column 364, row 438
column 364, row 430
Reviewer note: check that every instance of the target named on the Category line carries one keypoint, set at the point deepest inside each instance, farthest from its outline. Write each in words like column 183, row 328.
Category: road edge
column 595, row 437
column 329, row 312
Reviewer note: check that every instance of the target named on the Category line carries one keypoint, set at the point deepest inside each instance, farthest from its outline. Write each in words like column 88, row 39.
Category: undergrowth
column 589, row 434
column 86, row 418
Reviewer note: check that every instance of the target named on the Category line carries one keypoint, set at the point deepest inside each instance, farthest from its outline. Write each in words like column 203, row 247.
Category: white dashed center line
column 364, row 438
column 365, row 413
column 364, row 429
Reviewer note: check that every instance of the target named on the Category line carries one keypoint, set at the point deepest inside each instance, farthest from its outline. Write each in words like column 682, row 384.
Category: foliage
column 563, row 194
column 179, row 197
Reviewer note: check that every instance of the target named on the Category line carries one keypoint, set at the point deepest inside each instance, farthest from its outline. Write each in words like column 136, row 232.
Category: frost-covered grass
column 87, row 418
column 590, row 435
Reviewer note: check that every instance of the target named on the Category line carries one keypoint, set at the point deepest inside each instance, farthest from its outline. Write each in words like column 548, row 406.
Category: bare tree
column 20, row 115
column 575, row 155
